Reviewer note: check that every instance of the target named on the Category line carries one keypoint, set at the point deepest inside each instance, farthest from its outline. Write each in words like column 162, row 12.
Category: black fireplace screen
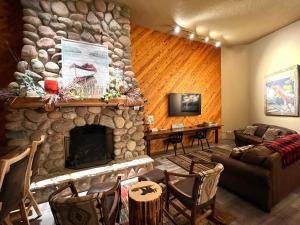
column 88, row 146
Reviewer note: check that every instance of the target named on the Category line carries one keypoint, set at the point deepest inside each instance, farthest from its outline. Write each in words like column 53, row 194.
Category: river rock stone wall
column 46, row 22
column 26, row 125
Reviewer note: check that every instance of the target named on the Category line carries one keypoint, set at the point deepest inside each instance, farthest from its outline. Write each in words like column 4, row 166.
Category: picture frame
column 86, row 66
column 282, row 92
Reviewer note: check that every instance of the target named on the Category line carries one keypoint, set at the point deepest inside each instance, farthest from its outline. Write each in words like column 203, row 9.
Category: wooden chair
column 196, row 192
column 69, row 208
column 12, row 182
column 28, row 194
column 175, row 139
column 27, row 201
column 200, row 135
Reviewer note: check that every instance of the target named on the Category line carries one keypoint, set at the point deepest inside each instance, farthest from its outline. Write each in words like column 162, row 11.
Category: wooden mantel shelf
column 25, row 102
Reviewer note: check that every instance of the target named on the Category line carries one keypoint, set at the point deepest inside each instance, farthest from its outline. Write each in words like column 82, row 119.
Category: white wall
column 235, row 88
column 276, row 51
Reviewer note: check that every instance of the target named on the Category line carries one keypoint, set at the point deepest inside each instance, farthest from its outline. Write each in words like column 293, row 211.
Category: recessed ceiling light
column 218, row 44
column 192, row 36
column 177, row 29
column 206, row 39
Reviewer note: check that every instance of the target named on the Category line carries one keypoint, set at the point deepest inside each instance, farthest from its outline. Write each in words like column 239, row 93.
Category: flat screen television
column 184, row 104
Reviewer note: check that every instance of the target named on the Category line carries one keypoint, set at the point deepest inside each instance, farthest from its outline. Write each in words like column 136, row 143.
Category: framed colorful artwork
column 282, row 92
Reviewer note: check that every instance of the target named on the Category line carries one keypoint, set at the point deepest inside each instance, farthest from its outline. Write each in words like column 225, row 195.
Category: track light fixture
column 191, row 35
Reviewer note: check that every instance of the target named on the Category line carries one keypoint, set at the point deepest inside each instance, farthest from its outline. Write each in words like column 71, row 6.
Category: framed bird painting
column 282, row 92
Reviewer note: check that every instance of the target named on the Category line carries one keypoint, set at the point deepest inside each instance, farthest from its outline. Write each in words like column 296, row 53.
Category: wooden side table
column 145, row 204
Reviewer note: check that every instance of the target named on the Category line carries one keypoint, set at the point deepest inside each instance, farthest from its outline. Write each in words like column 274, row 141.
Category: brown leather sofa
column 264, row 185
column 243, row 139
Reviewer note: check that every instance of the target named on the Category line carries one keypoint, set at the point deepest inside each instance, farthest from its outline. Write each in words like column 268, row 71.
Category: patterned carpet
column 184, row 161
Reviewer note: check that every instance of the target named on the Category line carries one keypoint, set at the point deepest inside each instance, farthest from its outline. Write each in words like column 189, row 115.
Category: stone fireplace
column 107, row 137
column 121, row 126
column 124, row 125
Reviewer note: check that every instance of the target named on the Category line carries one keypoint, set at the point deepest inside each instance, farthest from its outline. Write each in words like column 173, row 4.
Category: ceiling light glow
column 177, row 29
column 218, row 44
column 206, row 39
column 192, row 36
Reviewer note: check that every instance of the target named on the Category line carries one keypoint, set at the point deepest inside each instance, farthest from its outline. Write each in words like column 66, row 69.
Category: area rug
column 221, row 213
column 184, row 161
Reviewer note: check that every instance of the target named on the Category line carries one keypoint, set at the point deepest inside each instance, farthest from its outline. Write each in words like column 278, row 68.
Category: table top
column 185, row 129
column 145, row 191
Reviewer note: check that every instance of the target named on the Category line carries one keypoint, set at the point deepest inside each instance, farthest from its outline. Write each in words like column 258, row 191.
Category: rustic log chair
column 200, row 135
column 30, row 170
column 27, row 200
column 12, row 183
column 196, row 192
column 175, row 139
column 69, row 208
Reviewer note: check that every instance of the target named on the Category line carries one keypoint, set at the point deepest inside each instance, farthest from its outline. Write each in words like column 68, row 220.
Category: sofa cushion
column 283, row 131
column 256, row 155
column 271, row 134
column 261, row 129
column 237, row 152
column 250, row 130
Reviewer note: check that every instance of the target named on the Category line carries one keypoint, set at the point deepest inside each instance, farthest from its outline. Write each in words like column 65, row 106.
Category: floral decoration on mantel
column 27, row 87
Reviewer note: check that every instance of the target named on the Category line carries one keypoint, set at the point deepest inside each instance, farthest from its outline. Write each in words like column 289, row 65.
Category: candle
column 51, row 85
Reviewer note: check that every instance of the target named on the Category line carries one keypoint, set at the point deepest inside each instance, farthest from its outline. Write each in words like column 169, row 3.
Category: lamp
column 148, row 120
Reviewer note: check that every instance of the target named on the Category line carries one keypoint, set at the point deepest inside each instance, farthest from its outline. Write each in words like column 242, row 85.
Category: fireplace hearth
column 89, row 145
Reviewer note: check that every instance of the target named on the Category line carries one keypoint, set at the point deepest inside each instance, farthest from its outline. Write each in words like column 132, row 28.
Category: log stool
column 145, row 204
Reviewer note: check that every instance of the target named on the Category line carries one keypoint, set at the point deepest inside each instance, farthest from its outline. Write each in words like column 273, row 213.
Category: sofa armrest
column 239, row 131
column 241, row 168
column 252, row 182
column 274, row 164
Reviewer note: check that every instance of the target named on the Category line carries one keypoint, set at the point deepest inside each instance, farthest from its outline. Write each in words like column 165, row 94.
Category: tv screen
column 185, row 104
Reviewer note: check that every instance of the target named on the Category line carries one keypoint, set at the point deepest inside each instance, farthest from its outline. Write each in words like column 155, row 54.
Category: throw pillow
column 237, row 152
column 250, row 130
column 256, row 155
column 271, row 134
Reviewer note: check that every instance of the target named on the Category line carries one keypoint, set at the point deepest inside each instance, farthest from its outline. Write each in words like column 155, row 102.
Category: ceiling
column 232, row 22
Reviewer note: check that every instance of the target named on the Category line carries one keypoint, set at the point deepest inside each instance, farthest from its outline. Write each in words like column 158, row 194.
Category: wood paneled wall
column 164, row 63
column 11, row 27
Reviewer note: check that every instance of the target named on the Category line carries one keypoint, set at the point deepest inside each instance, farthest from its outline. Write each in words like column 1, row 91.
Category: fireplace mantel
column 26, row 102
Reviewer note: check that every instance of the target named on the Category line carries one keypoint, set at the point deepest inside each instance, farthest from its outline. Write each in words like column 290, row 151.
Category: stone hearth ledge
column 83, row 179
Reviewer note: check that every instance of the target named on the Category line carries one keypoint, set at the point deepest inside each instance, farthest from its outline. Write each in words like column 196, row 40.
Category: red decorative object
column 51, row 85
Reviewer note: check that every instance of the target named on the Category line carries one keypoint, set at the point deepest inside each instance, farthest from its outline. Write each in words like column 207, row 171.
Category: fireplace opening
column 89, row 146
